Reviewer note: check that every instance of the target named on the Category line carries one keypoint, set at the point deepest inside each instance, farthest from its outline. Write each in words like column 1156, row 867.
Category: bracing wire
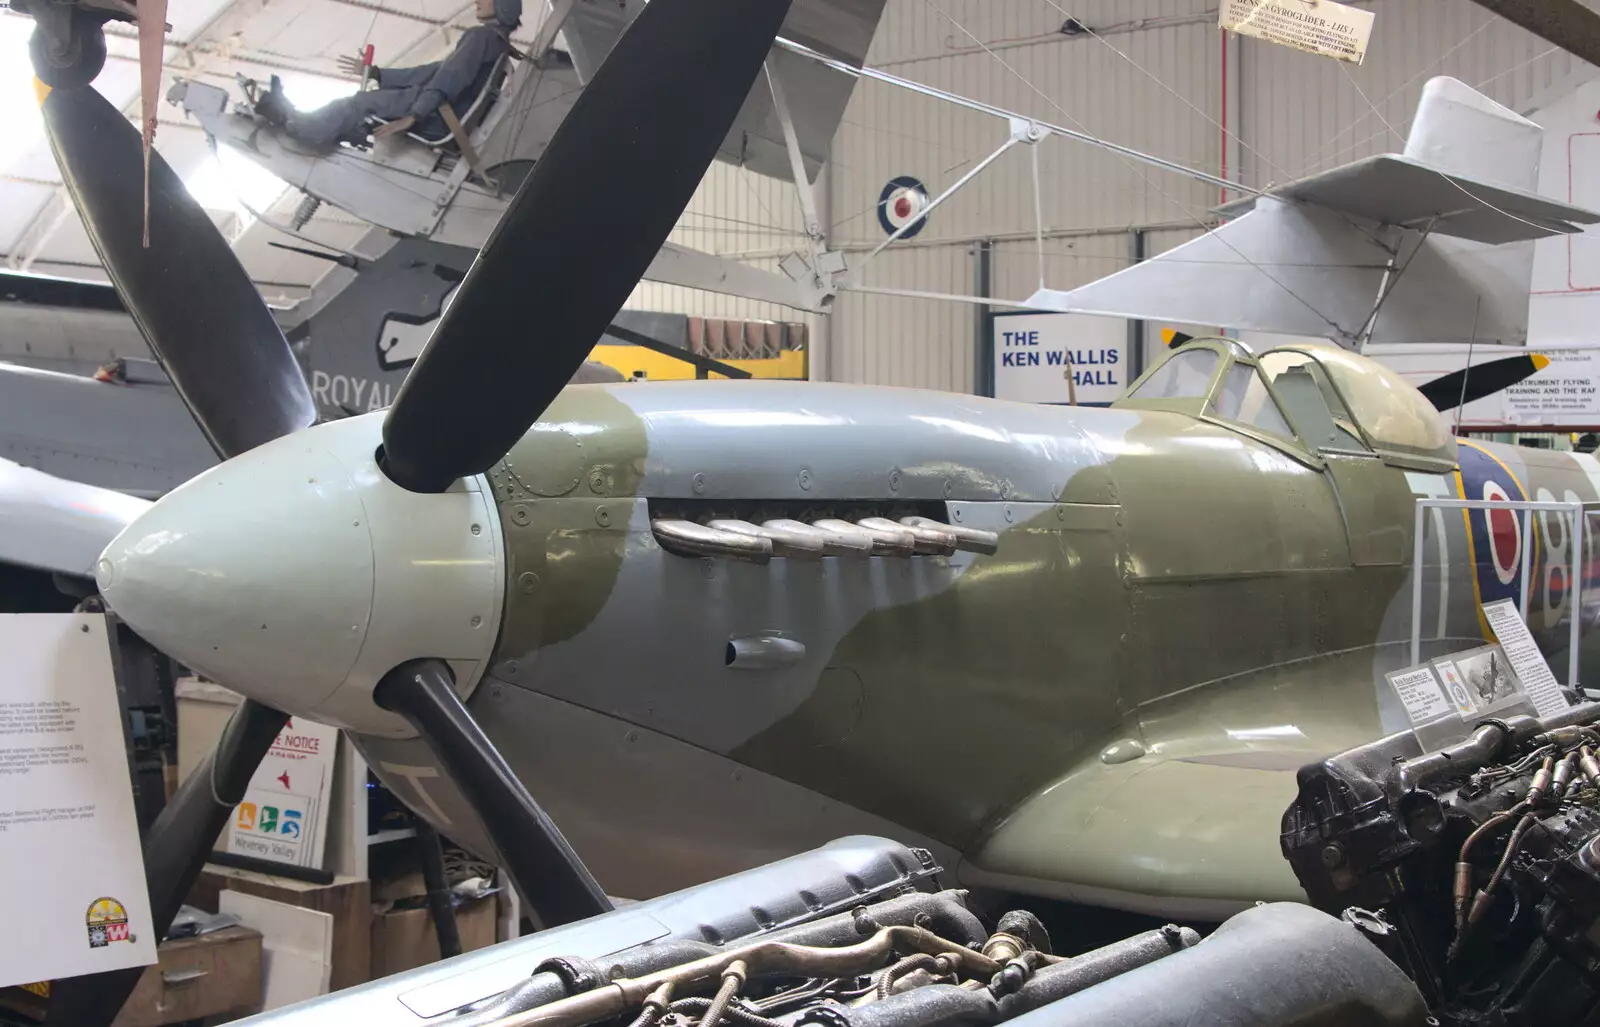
column 1186, row 208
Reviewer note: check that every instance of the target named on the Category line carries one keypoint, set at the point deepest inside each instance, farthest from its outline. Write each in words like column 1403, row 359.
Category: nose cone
column 258, row 573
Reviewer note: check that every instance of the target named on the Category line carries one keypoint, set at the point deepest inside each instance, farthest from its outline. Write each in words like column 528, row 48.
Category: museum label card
column 1526, row 659
column 1419, row 690
column 1454, row 689
column 75, row 894
column 1316, row 26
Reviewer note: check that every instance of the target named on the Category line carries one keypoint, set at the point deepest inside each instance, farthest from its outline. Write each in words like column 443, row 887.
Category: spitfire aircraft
column 1076, row 652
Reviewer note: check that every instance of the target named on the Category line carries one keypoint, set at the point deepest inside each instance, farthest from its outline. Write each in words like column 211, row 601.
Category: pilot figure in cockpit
column 405, row 96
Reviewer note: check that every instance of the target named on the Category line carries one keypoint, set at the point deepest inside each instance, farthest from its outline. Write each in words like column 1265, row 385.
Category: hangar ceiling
column 212, row 40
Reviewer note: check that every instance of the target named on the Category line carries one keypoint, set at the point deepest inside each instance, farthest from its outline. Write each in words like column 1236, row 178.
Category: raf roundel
column 903, row 201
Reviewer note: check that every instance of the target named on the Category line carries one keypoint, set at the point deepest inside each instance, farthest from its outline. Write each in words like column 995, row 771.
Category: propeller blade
column 1446, row 392
column 187, row 292
column 1174, row 338
column 550, row 876
column 579, row 235
column 175, row 850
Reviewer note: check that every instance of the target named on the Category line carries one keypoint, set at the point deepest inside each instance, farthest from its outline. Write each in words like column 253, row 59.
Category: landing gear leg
column 68, row 46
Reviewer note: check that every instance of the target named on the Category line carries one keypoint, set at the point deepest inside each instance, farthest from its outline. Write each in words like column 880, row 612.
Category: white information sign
column 284, row 815
column 1537, row 679
column 1565, row 393
column 1316, row 26
column 75, row 900
column 1419, row 690
column 1036, row 356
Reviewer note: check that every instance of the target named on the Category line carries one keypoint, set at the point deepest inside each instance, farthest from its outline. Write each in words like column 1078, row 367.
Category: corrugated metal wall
column 1150, row 77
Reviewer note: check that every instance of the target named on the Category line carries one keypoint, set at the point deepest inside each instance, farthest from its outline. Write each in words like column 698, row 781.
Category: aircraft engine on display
column 1475, row 867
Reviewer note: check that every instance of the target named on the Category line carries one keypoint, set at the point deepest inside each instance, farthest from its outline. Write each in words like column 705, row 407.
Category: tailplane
column 1431, row 245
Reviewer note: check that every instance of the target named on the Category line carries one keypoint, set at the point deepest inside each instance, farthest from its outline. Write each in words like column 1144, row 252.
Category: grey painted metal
column 834, row 876
column 56, row 525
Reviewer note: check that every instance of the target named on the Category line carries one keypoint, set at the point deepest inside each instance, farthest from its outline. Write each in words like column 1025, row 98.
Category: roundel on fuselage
column 1495, row 537
column 1505, row 534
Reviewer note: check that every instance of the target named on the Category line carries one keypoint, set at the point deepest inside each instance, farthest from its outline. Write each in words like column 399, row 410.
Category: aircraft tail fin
column 1462, row 132
column 1455, row 213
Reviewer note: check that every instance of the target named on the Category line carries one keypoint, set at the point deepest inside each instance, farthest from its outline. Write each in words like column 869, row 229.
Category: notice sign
column 1523, row 653
column 1060, row 358
column 75, row 899
column 1316, row 26
column 284, row 817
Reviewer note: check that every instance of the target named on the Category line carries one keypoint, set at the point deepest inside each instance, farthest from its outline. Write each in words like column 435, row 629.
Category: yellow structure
column 790, row 364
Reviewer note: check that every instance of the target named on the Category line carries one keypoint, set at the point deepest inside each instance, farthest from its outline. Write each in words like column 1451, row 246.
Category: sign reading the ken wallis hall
column 1060, row 358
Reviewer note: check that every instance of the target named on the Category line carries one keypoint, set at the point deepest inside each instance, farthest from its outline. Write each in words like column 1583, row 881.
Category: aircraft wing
column 1393, row 189
column 817, row 96
column 1158, row 834
column 1182, row 814
column 56, row 525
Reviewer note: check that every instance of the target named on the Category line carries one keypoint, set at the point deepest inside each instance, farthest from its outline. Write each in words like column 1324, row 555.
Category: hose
column 736, row 1013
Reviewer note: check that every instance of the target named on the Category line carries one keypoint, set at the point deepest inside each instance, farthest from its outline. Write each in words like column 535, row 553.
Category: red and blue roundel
column 1495, row 536
column 904, row 201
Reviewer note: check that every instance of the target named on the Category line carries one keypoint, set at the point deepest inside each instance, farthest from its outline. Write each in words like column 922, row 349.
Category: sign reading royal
column 1060, row 358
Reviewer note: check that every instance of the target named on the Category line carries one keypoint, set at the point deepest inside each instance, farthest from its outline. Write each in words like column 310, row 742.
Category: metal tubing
column 1000, row 112
column 1416, row 585
column 1574, row 597
column 933, row 204
column 761, row 957
column 1525, row 507
column 1527, row 562
column 556, row 884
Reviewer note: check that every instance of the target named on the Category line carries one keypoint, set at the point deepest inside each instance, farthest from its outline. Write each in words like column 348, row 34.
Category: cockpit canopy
column 1306, row 398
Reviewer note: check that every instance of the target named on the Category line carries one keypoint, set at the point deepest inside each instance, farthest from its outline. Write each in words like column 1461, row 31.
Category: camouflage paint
column 1111, row 707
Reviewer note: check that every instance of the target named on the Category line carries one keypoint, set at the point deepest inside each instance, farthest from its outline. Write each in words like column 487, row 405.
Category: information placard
column 1420, row 693
column 1316, row 26
column 75, row 899
column 1524, row 655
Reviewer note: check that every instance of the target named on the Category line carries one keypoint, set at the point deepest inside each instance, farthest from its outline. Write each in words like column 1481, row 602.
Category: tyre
column 85, row 54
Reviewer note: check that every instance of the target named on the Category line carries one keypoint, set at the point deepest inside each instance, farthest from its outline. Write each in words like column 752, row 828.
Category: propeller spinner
column 355, row 568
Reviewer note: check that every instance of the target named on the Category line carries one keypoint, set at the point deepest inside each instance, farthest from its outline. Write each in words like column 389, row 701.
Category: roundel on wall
column 903, row 201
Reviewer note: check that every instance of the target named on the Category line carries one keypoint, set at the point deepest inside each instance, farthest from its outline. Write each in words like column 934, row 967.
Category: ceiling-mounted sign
column 1316, row 26
column 903, row 201
column 1060, row 358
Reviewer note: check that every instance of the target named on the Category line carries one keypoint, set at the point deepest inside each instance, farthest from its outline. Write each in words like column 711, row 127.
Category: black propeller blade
column 189, row 295
column 1446, row 392
column 218, row 342
column 552, row 877
column 579, row 235
column 1174, row 338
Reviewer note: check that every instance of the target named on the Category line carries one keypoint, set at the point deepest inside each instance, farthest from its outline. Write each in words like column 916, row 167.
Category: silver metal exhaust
column 887, row 541
column 693, row 539
column 968, row 540
column 804, row 545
